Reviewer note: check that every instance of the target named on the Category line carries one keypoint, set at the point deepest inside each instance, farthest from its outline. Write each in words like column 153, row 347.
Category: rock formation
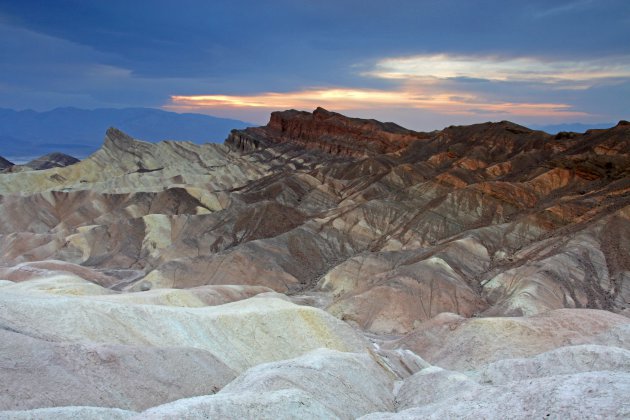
column 326, row 131
column 491, row 261
column 51, row 160
column 4, row 164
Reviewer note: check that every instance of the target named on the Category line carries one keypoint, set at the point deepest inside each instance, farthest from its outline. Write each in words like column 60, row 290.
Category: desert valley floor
column 321, row 267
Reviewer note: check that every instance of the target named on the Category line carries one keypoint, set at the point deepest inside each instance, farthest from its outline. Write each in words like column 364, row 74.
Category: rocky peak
column 4, row 163
column 130, row 153
column 117, row 139
column 122, row 147
column 325, row 131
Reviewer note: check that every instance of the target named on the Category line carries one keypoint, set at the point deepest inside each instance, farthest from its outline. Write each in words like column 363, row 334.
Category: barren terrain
column 321, row 267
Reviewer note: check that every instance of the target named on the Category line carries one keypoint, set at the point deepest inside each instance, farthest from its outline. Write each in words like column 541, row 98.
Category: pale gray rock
column 285, row 404
column 562, row 361
column 431, row 385
column 348, row 384
column 68, row 413
column 240, row 334
column 618, row 336
column 72, row 285
column 61, row 284
column 587, row 395
column 402, row 362
column 36, row 373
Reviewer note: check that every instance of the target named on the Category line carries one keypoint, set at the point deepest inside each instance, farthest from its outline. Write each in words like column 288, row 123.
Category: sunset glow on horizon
column 350, row 99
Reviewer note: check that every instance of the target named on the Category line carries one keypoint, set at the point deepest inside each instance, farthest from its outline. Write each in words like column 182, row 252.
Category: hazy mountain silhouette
column 574, row 127
column 79, row 132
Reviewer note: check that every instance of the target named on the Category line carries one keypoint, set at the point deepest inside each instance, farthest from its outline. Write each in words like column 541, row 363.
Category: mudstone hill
column 321, row 266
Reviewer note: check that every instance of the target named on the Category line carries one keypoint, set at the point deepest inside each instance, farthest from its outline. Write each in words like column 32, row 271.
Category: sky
column 424, row 64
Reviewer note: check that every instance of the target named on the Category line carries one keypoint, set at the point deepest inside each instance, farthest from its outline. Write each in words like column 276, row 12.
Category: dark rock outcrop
column 52, row 160
column 326, row 131
column 4, row 164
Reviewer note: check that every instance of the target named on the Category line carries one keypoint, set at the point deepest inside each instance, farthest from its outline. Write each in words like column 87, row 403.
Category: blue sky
column 423, row 64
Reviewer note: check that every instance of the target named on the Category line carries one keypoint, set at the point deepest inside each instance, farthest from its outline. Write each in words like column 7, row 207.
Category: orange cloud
column 341, row 98
column 346, row 99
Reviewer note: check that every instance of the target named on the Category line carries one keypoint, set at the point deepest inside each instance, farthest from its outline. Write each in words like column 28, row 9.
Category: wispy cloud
column 506, row 69
column 565, row 8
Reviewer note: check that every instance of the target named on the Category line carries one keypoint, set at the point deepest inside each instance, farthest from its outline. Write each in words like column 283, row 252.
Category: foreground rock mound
column 584, row 395
column 239, row 334
column 37, row 372
column 322, row 384
column 362, row 384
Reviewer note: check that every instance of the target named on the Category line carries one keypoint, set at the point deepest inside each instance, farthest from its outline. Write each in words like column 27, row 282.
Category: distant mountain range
column 574, row 127
column 25, row 135
column 79, row 132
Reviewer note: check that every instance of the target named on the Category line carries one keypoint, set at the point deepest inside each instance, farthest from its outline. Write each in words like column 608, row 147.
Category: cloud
column 44, row 69
column 454, row 103
column 522, row 88
column 565, row 8
column 505, row 69
column 341, row 98
column 416, row 63
column 45, row 72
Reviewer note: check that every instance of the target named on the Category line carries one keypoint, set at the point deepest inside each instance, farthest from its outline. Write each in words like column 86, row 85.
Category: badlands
column 321, row 267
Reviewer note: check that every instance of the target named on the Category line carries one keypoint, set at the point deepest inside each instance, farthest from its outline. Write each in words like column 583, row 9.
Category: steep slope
column 4, row 164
